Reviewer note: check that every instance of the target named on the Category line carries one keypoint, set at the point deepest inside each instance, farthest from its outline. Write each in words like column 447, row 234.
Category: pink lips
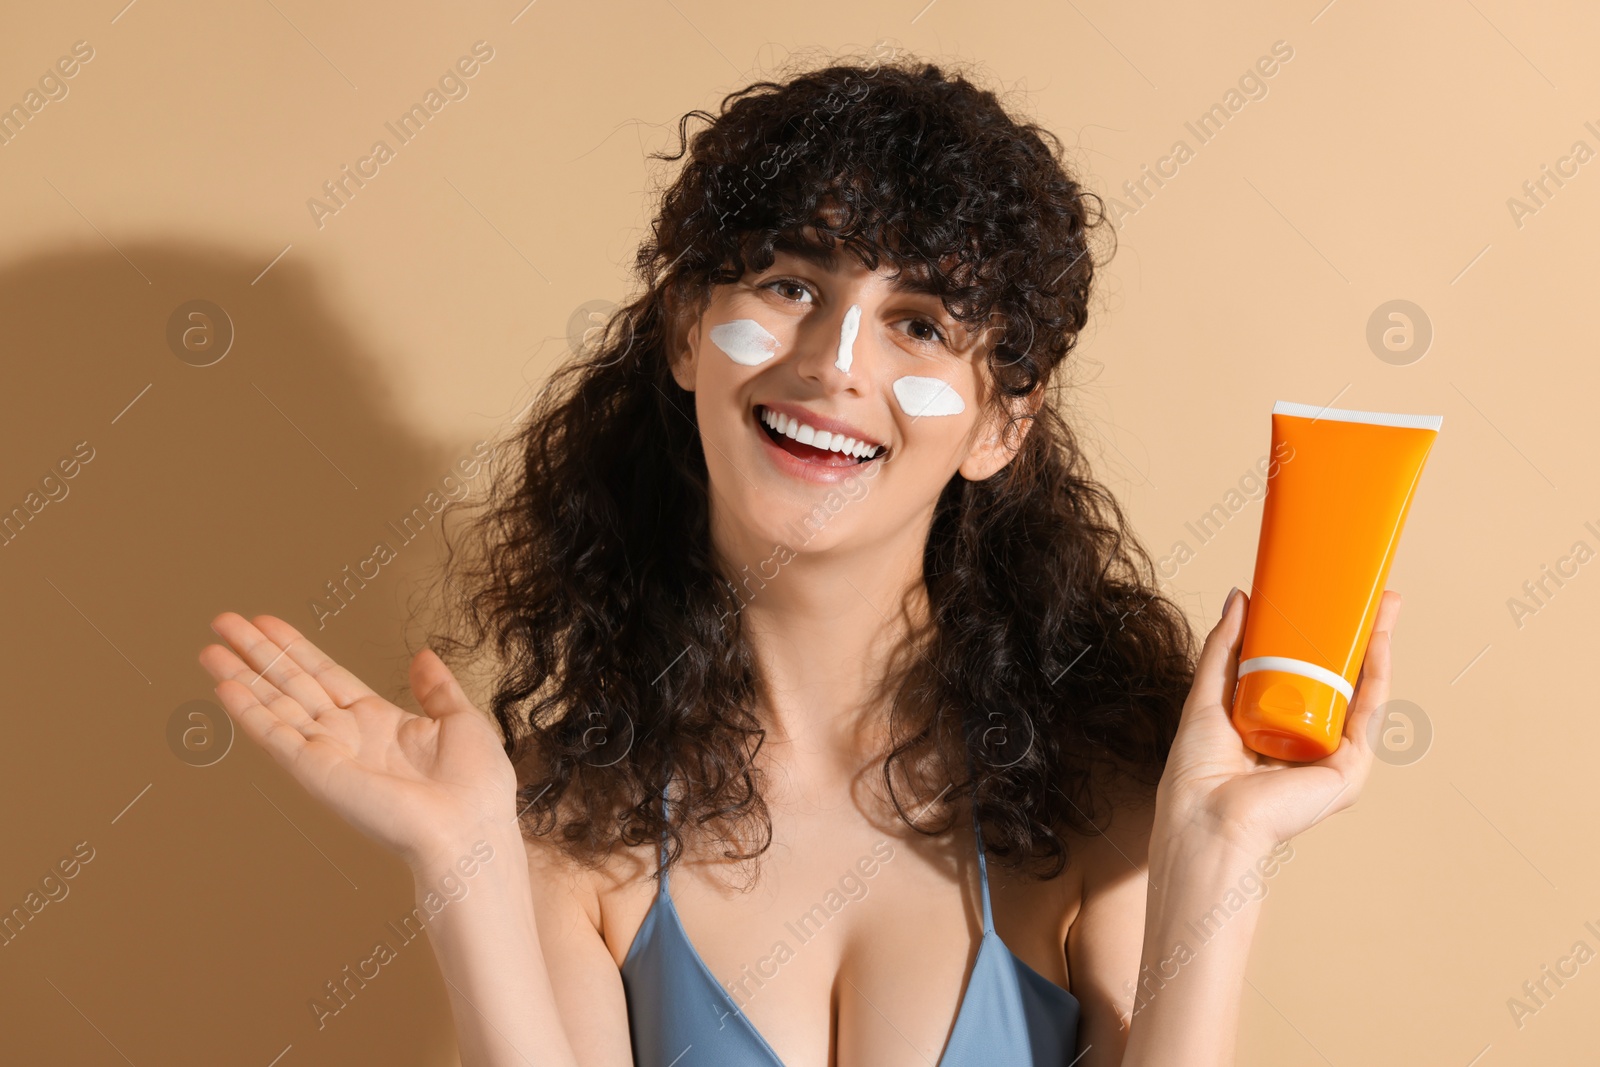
column 824, row 468
column 821, row 422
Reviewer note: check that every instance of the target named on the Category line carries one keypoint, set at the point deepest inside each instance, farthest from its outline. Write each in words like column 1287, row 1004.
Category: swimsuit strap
column 661, row 849
column 983, row 864
column 983, row 874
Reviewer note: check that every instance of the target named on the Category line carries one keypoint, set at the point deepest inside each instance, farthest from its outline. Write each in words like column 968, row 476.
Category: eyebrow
column 828, row 259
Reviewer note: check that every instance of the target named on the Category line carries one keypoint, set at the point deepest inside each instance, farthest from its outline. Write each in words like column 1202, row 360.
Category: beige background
column 371, row 355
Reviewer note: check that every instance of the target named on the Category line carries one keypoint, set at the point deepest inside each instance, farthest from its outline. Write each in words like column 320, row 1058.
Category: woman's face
column 820, row 351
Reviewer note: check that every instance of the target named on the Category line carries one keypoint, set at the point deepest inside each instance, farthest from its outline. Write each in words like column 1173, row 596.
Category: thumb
column 436, row 687
column 1217, row 669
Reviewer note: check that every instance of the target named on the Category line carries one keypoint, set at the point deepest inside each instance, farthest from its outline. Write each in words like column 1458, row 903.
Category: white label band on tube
column 1300, row 667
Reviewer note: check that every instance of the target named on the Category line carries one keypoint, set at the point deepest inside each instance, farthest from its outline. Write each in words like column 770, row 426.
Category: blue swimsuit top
column 680, row 1016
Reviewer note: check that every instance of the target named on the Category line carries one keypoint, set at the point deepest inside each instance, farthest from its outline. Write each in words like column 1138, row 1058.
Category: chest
column 853, row 943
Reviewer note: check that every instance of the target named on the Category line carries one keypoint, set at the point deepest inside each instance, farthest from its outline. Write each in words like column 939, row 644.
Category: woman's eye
column 783, row 286
column 924, row 330
column 937, row 335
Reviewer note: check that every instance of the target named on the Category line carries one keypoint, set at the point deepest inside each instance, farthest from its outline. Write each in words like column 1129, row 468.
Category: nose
column 835, row 350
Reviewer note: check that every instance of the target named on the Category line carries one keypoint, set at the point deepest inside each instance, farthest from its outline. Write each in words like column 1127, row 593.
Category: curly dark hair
column 1050, row 672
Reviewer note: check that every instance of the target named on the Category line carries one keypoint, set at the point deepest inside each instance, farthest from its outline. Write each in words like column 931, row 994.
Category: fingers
column 271, row 661
column 436, row 687
column 1388, row 611
column 1217, row 669
column 278, row 659
column 339, row 684
column 1354, row 756
column 224, row 665
column 1372, row 684
column 283, row 740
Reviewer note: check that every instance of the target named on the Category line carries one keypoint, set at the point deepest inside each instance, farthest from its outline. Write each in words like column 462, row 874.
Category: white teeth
column 810, row 435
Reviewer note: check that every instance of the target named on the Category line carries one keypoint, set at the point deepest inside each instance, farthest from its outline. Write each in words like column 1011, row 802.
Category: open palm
column 417, row 784
column 1213, row 781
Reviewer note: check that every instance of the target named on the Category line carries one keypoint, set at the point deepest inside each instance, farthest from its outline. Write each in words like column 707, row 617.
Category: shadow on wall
column 154, row 909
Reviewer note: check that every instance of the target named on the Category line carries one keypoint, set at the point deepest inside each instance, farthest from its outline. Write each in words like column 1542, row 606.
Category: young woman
column 802, row 597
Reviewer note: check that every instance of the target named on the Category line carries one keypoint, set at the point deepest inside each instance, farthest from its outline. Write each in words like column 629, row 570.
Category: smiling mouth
column 811, row 445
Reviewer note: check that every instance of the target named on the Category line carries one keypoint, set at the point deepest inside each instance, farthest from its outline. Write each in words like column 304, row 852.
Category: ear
column 683, row 345
column 994, row 444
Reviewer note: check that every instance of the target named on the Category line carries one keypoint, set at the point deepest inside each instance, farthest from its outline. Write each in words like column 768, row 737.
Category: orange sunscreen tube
column 1329, row 527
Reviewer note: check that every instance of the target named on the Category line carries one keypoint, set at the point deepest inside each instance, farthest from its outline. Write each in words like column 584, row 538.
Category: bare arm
column 586, row 981
column 1198, row 930
column 1172, row 893
column 1175, row 927
column 1107, row 936
column 437, row 790
column 488, row 948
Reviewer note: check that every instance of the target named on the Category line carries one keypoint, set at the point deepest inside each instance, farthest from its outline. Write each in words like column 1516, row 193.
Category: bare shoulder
column 1106, row 939
column 607, row 898
column 560, row 883
column 1119, row 847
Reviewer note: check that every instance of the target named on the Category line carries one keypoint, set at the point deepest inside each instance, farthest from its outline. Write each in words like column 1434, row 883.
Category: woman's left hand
column 1214, row 785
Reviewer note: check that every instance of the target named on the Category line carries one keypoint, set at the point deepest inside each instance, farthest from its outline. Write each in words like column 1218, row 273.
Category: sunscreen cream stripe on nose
column 745, row 342
column 847, row 337
column 927, row 396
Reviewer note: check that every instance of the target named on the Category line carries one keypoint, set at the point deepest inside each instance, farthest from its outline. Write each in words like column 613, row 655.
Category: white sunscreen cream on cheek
column 927, row 396
column 744, row 341
column 847, row 337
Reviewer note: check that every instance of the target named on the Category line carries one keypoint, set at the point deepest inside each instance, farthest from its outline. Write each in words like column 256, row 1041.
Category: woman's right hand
column 419, row 785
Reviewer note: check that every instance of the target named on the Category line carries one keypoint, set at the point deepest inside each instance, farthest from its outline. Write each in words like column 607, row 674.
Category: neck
column 826, row 627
